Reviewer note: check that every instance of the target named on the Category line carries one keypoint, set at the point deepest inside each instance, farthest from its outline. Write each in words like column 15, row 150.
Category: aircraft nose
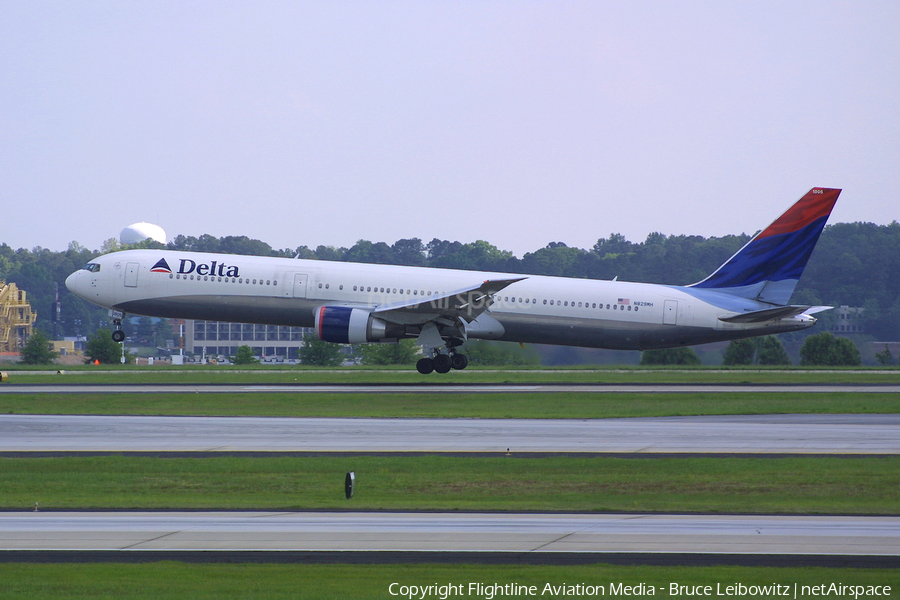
column 72, row 282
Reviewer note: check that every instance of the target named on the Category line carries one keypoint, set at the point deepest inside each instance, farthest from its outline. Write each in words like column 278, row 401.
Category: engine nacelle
column 348, row 325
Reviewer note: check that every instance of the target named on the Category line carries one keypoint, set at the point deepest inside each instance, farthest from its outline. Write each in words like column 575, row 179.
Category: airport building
column 214, row 339
column 849, row 320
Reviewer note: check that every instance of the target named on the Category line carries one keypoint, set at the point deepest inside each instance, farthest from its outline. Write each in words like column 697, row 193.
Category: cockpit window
column 92, row 267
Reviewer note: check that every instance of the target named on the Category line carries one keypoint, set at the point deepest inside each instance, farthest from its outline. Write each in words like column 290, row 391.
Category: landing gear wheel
column 442, row 363
column 459, row 361
column 425, row 366
column 118, row 335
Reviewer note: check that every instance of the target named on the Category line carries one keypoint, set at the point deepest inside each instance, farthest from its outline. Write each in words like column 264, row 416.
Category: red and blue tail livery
column 768, row 267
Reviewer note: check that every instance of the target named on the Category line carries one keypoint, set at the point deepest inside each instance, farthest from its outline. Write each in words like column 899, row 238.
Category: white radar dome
column 139, row 232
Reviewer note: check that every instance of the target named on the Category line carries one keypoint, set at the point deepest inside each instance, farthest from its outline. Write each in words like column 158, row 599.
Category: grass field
column 269, row 374
column 794, row 485
column 165, row 580
column 577, row 405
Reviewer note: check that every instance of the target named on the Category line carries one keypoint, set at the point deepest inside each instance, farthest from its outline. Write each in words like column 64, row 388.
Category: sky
column 519, row 123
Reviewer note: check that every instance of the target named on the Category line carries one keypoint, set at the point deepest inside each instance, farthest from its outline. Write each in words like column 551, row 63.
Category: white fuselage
column 537, row 309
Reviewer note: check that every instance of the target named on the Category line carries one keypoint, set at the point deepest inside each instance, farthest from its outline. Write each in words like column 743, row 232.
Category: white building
column 213, row 339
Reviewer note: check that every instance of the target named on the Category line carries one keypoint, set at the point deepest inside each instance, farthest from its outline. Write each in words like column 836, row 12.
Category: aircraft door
column 301, row 280
column 131, row 274
column 670, row 312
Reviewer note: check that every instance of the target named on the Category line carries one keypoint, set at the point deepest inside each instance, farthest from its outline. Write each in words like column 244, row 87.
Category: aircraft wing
column 779, row 312
column 465, row 303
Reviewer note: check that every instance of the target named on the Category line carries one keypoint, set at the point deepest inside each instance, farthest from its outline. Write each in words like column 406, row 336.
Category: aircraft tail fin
column 769, row 266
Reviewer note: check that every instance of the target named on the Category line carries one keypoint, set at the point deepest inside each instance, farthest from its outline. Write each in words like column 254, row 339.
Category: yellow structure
column 16, row 318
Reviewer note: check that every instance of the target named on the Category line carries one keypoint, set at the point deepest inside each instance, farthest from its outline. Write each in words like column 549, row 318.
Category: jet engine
column 348, row 325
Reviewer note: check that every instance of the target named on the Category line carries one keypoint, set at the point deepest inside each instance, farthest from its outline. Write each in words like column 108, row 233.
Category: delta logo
column 161, row 267
column 187, row 266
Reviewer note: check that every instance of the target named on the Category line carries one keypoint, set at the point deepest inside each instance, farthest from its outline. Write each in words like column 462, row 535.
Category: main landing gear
column 442, row 363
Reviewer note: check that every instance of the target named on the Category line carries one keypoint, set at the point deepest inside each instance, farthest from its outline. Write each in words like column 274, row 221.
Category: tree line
column 854, row 264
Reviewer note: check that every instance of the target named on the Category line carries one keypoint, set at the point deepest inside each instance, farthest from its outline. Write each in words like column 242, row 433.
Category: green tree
column 409, row 252
column 101, row 346
column 766, row 350
column 770, row 351
column 145, row 330
column 498, row 354
column 244, row 356
column 38, row 350
column 740, row 352
column 404, row 352
column 824, row 349
column 323, row 354
column 885, row 358
column 670, row 356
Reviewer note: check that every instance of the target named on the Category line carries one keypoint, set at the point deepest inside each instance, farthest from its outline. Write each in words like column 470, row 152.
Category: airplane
column 353, row 303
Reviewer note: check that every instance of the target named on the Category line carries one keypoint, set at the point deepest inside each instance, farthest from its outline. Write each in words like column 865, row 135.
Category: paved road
column 448, row 532
column 446, row 388
column 761, row 434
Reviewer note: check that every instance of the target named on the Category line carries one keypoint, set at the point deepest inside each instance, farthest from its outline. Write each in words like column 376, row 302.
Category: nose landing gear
column 118, row 335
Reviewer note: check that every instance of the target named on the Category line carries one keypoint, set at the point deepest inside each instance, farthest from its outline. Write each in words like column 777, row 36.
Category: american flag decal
column 624, row 301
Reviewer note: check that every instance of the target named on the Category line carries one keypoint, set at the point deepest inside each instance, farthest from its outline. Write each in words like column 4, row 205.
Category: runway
column 555, row 537
column 736, row 434
column 447, row 388
column 427, row 537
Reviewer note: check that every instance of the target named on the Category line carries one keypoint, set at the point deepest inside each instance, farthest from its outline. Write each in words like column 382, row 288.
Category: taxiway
column 736, row 434
column 511, row 534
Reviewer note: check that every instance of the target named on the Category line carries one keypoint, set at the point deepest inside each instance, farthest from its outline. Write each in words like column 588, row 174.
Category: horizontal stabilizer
column 780, row 312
